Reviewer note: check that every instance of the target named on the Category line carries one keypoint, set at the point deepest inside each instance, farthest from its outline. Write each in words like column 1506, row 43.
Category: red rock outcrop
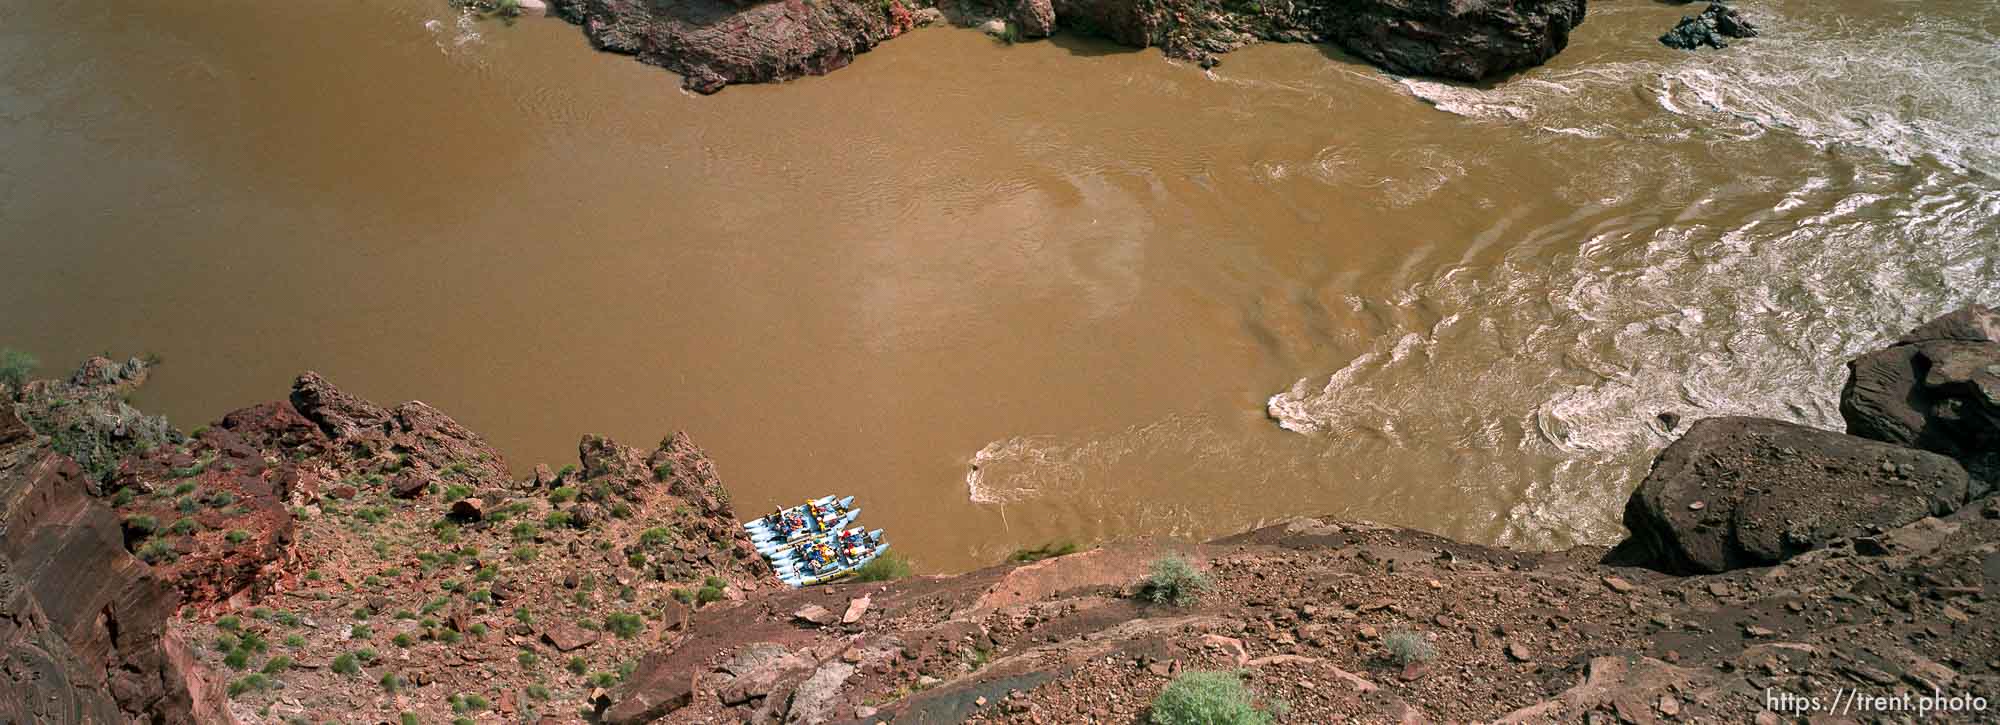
column 84, row 622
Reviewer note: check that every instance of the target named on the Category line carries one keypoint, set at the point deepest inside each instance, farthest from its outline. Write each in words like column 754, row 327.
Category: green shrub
column 450, row 636
column 410, row 718
column 221, row 499
column 478, row 629
column 142, row 523
column 603, row 679
column 525, row 554
column 527, row 660
column 538, row 692
column 360, row 631
column 475, row 703
column 294, row 641
column 1045, row 551
column 403, row 639
column 624, row 624
column 715, row 582
column 229, row 623
column 685, row 596
column 185, row 487
column 577, row 665
column 708, row 595
column 253, row 642
column 237, row 536
column 237, row 659
column 889, row 566
column 277, row 664
column 563, row 494
column 656, row 536
column 457, row 491
column 557, row 520
column 15, row 367
column 522, row 613
column 391, row 683
column 1207, row 698
column 260, row 613
column 123, row 497
column 287, row 618
column 526, row 531
column 247, row 683
column 345, row 664
column 1408, row 648
column 1174, row 581
column 183, row 526
column 156, row 551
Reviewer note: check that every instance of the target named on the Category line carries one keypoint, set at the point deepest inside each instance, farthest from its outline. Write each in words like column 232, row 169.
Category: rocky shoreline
column 323, row 557
column 715, row 43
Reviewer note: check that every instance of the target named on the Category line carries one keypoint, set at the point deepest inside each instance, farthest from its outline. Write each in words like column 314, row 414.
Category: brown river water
column 1010, row 294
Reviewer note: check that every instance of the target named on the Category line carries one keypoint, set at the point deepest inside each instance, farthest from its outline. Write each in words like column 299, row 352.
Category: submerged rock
column 1744, row 492
column 1709, row 28
column 1937, row 388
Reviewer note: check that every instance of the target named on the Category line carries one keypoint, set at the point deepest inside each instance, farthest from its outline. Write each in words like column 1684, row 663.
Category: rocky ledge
column 327, row 558
column 713, row 43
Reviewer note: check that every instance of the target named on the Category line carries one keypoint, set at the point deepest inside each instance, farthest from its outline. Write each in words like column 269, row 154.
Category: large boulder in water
column 1744, row 492
column 713, row 43
column 1466, row 41
column 1709, row 28
column 1937, row 388
column 1455, row 39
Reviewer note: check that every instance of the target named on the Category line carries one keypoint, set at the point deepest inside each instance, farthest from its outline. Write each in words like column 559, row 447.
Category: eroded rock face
column 82, row 622
column 1937, row 388
column 1744, row 492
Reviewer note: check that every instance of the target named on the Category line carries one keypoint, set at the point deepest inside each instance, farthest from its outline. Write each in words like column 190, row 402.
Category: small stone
column 814, row 614
column 1669, row 706
column 1698, row 505
column 408, row 485
column 1618, row 585
column 1957, row 615
column 1759, row 632
column 1870, row 546
column 1718, row 589
column 1367, row 633
column 979, row 702
column 1518, row 652
column 856, row 608
column 863, row 712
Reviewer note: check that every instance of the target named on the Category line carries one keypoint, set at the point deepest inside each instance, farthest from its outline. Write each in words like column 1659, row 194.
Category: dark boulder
column 713, row 43
column 1744, row 492
column 1466, row 41
column 1709, row 28
column 1937, row 388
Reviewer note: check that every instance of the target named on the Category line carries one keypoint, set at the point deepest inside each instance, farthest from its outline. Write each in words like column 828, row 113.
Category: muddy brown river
column 1010, row 294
